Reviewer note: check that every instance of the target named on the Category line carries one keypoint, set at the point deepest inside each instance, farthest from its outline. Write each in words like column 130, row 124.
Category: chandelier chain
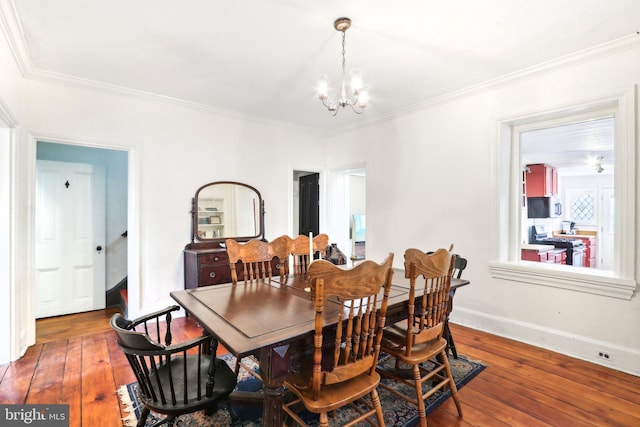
column 343, row 55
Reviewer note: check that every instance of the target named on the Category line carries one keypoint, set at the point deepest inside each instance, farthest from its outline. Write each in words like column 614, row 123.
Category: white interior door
column 70, row 233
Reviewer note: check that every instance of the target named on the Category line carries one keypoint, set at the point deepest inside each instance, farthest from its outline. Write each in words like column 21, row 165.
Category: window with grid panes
column 583, row 209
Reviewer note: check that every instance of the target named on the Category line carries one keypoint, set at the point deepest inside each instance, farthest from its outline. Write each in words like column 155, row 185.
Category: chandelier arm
column 353, row 107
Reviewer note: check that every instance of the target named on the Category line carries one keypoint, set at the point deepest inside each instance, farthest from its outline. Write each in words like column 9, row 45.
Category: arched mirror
column 226, row 209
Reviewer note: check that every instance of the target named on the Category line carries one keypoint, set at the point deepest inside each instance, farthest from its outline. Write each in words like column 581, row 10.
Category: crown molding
column 593, row 53
column 52, row 76
column 10, row 26
column 12, row 29
column 7, row 118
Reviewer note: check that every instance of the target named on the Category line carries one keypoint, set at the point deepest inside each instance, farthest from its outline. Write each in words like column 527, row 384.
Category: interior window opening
column 567, row 169
column 581, row 160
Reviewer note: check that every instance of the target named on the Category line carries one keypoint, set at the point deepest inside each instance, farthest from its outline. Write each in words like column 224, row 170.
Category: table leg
column 451, row 345
column 274, row 367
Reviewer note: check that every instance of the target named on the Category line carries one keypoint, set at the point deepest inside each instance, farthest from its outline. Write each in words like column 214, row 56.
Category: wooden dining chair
column 173, row 379
column 300, row 251
column 255, row 257
column 418, row 342
column 459, row 265
column 343, row 371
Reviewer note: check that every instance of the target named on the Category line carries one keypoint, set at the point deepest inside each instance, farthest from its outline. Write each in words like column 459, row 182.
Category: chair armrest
column 154, row 315
column 186, row 345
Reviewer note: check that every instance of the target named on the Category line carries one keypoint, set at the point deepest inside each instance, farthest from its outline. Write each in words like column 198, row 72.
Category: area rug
column 397, row 412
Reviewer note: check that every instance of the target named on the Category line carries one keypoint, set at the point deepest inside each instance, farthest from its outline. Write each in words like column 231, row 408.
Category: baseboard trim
column 621, row 358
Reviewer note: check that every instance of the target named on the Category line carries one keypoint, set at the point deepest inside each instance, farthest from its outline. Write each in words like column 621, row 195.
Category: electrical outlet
column 604, row 355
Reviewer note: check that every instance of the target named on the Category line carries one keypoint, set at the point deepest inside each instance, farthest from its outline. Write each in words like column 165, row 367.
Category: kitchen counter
column 538, row 248
column 584, row 235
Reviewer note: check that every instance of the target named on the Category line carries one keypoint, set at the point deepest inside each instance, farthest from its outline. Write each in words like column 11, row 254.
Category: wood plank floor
column 76, row 360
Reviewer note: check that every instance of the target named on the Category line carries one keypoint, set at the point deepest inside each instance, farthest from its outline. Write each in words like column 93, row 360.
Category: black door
column 309, row 213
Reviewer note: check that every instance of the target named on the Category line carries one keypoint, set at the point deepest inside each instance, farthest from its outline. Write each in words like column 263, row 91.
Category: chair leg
column 232, row 413
column 211, row 410
column 451, row 345
column 375, row 399
column 452, row 383
column 143, row 417
column 324, row 420
column 419, row 400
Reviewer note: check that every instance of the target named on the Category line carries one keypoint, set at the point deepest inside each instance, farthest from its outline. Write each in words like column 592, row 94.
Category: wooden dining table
column 273, row 321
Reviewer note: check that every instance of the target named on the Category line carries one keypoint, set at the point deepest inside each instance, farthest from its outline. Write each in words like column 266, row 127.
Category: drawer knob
column 212, row 274
column 216, row 258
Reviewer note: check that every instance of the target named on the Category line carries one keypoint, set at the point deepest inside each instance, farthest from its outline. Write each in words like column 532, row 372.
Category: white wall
column 174, row 149
column 357, row 194
column 434, row 172
column 357, row 205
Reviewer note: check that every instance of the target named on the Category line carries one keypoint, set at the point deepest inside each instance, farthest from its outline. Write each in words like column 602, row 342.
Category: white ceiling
column 262, row 58
column 572, row 147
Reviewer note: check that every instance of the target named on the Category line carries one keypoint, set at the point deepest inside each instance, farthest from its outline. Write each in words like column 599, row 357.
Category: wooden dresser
column 204, row 266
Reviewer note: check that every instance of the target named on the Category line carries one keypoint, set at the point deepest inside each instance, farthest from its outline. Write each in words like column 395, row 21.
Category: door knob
column 99, row 248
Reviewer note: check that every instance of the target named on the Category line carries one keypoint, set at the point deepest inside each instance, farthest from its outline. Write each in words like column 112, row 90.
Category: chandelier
column 598, row 164
column 359, row 91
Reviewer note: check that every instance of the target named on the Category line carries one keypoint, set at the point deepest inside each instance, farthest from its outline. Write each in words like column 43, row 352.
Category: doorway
column 340, row 201
column 70, row 230
column 114, row 248
column 309, row 204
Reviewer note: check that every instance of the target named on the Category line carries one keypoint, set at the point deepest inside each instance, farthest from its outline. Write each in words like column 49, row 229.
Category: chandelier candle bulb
column 323, row 87
column 356, row 81
column 363, row 97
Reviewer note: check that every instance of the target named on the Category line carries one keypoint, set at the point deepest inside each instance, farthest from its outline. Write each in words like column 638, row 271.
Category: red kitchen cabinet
column 534, row 256
column 541, row 181
column 589, row 259
column 560, row 256
column 537, row 253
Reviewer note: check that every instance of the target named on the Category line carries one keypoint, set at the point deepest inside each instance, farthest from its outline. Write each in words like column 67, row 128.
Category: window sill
column 577, row 279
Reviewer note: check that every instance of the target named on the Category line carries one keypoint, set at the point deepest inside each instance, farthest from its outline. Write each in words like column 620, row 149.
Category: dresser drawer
column 220, row 258
column 214, row 275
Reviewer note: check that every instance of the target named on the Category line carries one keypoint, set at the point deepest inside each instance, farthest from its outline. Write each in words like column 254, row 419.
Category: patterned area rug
column 397, row 412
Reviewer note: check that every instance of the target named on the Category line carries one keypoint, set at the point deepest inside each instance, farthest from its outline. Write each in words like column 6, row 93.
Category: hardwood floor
column 76, row 360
